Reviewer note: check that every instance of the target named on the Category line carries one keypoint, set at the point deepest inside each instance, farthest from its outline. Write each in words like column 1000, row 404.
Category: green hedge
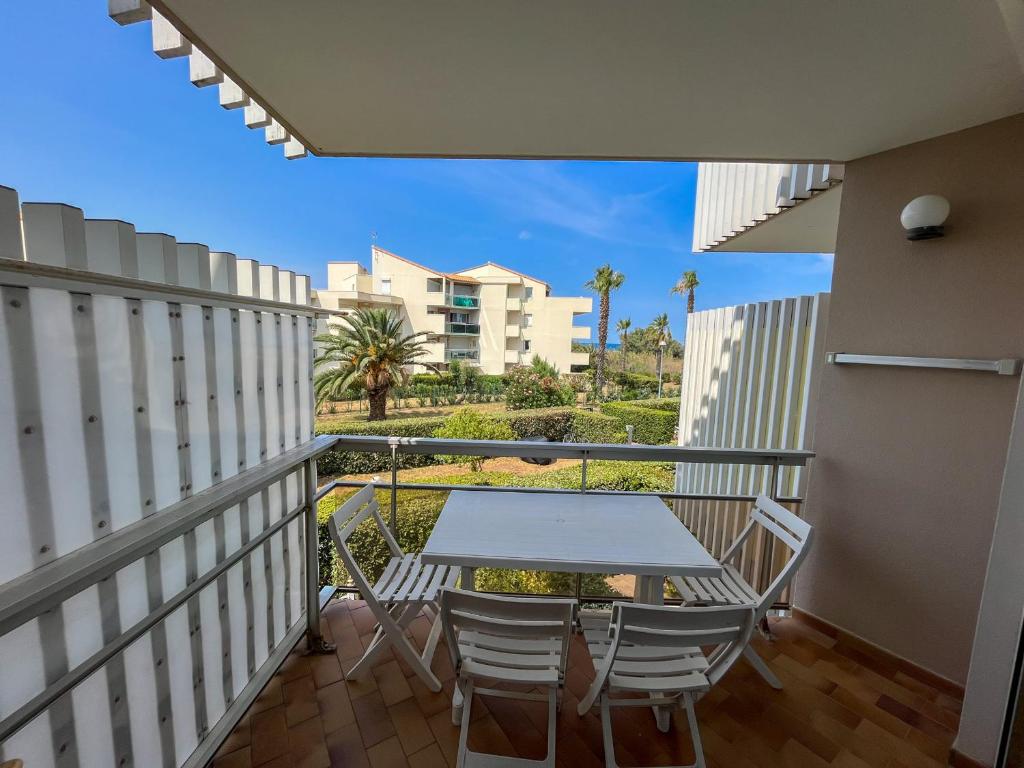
column 594, row 427
column 417, row 512
column 353, row 462
column 659, row 404
column 650, row 425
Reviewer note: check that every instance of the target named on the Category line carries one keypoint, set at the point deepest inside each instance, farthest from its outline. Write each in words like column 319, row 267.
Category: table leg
column 467, row 579
column 651, row 591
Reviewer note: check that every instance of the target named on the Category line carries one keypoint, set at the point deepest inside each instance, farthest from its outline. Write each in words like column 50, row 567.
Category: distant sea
column 611, row 344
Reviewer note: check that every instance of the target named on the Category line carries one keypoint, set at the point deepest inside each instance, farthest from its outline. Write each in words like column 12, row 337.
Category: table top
column 573, row 532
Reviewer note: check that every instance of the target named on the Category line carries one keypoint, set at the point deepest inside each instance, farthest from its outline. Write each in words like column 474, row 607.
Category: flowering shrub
column 527, row 388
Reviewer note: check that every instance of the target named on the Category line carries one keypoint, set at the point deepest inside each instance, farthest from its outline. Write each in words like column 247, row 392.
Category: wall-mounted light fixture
column 923, row 217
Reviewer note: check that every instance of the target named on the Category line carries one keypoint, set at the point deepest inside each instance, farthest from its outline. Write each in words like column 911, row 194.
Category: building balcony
column 435, row 324
column 462, row 354
column 462, row 329
column 512, row 356
column 513, row 304
column 512, row 331
column 579, row 358
column 462, row 301
column 581, row 332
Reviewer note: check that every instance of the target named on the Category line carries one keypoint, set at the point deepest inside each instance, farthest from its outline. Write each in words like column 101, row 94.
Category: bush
column 593, row 427
column 551, row 423
column 650, row 425
column 526, row 388
column 353, row 462
column 467, row 424
column 670, row 404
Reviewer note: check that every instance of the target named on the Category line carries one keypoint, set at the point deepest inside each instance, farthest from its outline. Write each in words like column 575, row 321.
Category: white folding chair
column 405, row 587
column 516, row 640
column 656, row 651
column 732, row 589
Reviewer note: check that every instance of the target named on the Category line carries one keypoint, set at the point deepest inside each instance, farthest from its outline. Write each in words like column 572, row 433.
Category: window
column 528, row 320
column 527, row 294
column 433, row 285
column 385, row 286
column 526, row 345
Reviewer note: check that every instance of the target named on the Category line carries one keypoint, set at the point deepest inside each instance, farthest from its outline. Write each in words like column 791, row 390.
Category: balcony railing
column 457, row 300
column 462, row 329
column 462, row 354
column 49, row 586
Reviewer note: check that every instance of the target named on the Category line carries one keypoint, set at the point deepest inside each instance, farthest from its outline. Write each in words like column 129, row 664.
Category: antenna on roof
column 373, row 237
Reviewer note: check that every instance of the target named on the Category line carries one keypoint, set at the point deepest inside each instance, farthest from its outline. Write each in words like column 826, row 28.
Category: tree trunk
column 625, row 341
column 602, row 342
column 689, row 302
column 378, row 404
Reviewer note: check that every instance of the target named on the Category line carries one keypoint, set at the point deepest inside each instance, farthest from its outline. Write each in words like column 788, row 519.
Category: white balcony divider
column 749, row 380
column 114, row 406
column 733, row 197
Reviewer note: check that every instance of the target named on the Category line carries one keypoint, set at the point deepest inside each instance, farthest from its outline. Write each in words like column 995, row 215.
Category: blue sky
column 93, row 118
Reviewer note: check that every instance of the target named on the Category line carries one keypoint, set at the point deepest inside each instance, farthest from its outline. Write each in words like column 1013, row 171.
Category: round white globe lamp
column 924, row 216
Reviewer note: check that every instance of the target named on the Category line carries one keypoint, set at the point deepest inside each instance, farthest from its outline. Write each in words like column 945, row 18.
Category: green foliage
column 351, row 462
column 417, row 512
column 467, row 424
column 594, row 427
column 670, row 404
column 652, row 426
column 529, row 389
column 370, row 348
column 541, row 366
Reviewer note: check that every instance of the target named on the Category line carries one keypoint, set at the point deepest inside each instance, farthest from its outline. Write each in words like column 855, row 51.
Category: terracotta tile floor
column 839, row 708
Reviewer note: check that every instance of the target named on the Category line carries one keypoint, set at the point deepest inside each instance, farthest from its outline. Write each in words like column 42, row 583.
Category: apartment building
column 489, row 316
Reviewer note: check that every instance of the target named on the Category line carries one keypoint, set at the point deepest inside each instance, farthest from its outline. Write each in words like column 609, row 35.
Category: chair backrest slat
column 527, row 620
column 343, row 523
column 647, row 626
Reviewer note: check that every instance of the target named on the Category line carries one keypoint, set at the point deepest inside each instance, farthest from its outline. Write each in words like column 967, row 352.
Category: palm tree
column 685, row 287
column 623, row 328
column 660, row 326
column 604, row 281
column 369, row 349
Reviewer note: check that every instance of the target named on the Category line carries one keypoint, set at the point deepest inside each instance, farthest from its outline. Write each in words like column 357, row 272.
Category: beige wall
column 906, row 483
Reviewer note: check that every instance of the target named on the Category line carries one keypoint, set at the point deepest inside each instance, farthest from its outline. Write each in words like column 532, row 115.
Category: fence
column 759, row 564
column 155, row 428
column 749, row 381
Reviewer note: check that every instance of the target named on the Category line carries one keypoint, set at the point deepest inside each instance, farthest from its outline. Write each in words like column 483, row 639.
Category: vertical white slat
column 54, row 234
column 11, row 246
column 223, row 272
column 302, row 290
column 111, row 247
column 200, row 431
column 142, row 701
column 160, row 394
column 793, row 400
column 811, row 381
column 225, row 371
column 209, row 611
column 16, row 548
column 248, row 277
column 202, row 71
column 289, row 380
column 33, row 744
column 257, row 584
column 286, row 286
column 157, row 257
column 179, row 653
column 251, row 395
column 698, row 208
column 272, row 387
column 194, row 265
column 168, row 42
column 269, row 282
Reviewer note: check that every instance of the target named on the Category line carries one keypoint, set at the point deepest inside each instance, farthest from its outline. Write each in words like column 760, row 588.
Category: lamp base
column 925, row 233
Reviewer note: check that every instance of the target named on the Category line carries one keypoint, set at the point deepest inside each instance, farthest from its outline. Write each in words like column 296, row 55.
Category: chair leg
column 381, row 641
column 467, row 706
column 762, row 669
column 691, row 717
column 606, row 733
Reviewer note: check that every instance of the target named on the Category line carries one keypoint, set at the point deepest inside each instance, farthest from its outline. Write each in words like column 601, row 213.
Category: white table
column 567, row 532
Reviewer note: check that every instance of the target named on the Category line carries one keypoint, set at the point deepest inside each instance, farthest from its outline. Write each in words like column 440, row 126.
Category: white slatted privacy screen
column 112, row 409
column 749, row 380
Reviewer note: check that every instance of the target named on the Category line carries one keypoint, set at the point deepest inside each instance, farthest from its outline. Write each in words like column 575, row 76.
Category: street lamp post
column 661, row 360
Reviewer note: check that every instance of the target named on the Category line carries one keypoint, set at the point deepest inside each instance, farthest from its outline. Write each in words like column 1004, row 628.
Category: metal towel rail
column 1006, row 366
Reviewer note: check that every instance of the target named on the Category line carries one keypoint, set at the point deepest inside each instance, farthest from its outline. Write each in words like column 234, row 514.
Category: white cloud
column 524, row 234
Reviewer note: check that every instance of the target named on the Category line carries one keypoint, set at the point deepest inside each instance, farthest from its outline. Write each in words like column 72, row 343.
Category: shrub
column 551, row 423
column 650, row 425
column 526, row 388
column 467, row 424
column 353, row 462
column 594, row 427
column 670, row 404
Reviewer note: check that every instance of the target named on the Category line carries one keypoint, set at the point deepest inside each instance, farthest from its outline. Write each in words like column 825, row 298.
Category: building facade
column 487, row 316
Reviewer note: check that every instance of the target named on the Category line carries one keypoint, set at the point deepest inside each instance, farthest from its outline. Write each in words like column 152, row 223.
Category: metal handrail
column 29, row 596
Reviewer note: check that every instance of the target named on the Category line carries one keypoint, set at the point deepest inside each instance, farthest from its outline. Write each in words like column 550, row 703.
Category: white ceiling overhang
column 827, row 80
